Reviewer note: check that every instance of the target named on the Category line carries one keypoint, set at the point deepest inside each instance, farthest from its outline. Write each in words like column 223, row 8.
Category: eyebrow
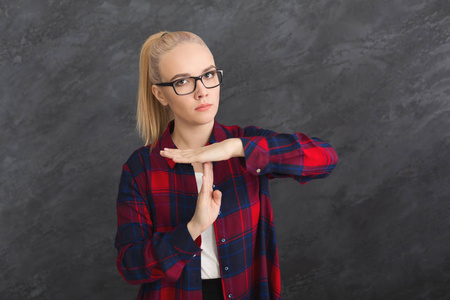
column 187, row 74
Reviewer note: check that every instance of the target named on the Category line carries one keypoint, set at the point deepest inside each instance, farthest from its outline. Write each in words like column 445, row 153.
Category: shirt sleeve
column 287, row 155
column 144, row 255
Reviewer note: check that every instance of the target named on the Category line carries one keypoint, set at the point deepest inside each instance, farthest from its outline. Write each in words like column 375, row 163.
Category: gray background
column 370, row 77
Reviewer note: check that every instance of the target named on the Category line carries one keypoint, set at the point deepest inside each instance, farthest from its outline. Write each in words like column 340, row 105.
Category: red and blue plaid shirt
column 157, row 198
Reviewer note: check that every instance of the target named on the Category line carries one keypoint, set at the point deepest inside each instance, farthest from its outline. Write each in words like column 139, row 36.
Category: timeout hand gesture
column 208, row 201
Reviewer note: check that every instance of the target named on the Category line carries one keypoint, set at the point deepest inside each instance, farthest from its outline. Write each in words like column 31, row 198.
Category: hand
column 216, row 152
column 208, row 204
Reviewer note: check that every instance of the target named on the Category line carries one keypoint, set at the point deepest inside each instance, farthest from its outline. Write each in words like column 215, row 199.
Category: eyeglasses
column 187, row 85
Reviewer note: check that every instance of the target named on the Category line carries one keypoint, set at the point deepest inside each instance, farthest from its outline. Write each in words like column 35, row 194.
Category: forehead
column 190, row 58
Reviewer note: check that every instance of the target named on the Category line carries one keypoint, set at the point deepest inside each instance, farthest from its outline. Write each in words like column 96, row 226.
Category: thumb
column 217, row 197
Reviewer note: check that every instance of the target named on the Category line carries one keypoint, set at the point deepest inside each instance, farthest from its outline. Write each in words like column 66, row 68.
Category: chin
column 206, row 118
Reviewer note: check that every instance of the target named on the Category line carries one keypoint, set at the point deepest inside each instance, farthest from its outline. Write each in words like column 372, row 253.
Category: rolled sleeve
column 287, row 155
column 256, row 150
column 179, row 241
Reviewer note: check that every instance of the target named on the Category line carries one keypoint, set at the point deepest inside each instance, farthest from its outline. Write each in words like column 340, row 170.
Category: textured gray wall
column 370, row 77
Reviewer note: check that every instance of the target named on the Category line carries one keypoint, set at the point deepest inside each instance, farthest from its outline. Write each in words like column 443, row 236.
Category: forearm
column 164, row 255
column 194, row 230
column 280, row 155
column 236, row 147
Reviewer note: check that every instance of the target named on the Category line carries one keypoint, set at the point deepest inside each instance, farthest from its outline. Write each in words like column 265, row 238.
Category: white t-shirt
column 209, row 257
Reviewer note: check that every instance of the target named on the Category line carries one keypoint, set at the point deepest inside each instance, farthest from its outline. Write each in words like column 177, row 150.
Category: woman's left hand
column 215, row 152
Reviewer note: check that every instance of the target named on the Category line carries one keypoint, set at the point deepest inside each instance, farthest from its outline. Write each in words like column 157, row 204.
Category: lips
column 203, row 107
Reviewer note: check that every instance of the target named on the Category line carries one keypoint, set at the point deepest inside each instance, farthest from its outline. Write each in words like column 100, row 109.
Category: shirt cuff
column 256, row 151
column 182, row 242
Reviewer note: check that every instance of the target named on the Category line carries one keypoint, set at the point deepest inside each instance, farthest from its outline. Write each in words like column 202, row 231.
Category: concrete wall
column 370, row 77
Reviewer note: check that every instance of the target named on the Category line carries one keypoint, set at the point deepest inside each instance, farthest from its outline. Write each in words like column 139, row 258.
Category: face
column 185, row 60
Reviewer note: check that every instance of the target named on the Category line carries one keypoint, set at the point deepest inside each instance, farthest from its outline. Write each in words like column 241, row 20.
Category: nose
column 200, row 90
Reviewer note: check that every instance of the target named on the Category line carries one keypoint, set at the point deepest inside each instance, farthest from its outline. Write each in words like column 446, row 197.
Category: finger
column 182, row 159
column 181, row 156
column 177, row 156
column 217, row 197
column 208, row 166
column 169, row 153
column 207, row 174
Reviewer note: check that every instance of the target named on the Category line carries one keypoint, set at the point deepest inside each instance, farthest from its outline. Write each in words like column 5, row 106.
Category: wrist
column 237, row 147
column 193, row 230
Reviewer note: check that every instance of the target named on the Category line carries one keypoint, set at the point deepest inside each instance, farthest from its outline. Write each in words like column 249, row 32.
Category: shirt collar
column 165, row 141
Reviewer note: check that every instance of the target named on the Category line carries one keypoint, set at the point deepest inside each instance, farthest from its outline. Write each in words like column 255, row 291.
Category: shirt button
column 222, row 240
column 229, row 296
column 226, row 268
column 214, row 185
column 258, row 170
column 194, row 255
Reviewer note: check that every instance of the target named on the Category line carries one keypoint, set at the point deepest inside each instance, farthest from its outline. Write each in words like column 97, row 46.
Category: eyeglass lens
column 187, row 85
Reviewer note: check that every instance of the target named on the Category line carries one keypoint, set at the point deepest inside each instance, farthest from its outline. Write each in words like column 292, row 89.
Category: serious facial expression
column 185, row 60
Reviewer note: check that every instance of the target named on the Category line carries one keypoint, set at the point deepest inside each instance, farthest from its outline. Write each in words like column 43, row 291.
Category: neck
column 191, row 136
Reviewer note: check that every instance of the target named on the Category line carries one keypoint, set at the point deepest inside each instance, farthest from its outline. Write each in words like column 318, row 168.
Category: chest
column 173, row 193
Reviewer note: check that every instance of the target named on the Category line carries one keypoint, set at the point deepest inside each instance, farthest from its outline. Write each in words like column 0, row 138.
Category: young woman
column 194, row 214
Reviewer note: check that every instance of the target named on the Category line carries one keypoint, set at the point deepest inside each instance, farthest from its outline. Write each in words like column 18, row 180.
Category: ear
column 159, row 95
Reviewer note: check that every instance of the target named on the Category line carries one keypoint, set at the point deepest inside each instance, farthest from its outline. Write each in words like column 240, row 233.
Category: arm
column 144, row 255
column 287, row 155
column 268, row 153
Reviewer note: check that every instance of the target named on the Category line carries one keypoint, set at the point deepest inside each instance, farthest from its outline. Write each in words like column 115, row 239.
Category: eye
column 209, row 75
column 181, row 81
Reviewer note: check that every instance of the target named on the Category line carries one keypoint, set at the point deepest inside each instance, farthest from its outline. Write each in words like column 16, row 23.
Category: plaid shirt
column 157, row 198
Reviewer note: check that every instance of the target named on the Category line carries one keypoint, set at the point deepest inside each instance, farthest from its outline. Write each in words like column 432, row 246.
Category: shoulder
column 232, row 131
column 237, row 131
column 143, row 159
column 138, row 159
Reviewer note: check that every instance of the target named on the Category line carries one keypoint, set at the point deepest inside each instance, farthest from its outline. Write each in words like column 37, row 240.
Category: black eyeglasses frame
column 172, row 83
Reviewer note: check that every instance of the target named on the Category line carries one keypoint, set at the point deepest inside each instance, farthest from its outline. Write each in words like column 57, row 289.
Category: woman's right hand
column 208, row 204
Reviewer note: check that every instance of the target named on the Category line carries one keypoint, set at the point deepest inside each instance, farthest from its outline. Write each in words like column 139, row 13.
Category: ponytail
column 152, row 117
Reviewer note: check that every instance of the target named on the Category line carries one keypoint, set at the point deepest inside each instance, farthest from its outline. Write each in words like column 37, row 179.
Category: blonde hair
column 152, row 116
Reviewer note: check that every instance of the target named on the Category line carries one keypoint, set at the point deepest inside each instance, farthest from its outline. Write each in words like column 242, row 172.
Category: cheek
column 176, row 103
column 216, row 94
column 177, row 107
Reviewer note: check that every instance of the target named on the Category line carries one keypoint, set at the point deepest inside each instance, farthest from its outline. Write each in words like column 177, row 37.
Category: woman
column 194, row 213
